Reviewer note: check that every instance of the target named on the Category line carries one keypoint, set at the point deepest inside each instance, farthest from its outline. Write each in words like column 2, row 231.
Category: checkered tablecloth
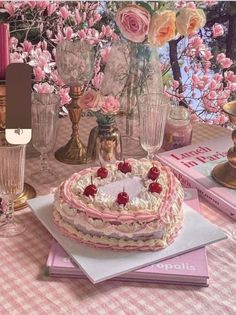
column 24, row 289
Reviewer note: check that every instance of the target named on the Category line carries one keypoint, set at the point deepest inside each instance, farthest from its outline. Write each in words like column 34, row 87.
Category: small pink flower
column 39, row 74
column 232, row 86
column 226, row 63
column 64, row 95
column 212, row 95
column 13, row 42
column 64, row 12
column 43, row 88
column 32, row 4
column 133, row 22
column 51, row 8
column 218, row 30
column 42, row 4
column 16, row 57
column 68, row 32
column 27, row 46
column 111, row 105
column 213, row 85
column 220, row 57
column 207, row 55
column 218, row 77
column 78, row 18
column 10, row 8
column 90, row 100
column 195, row 79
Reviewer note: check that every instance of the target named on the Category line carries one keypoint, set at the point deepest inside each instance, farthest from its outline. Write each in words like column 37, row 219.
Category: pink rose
column 111, row 105
column 217, row 30
column 90, row 100
column 133, row 22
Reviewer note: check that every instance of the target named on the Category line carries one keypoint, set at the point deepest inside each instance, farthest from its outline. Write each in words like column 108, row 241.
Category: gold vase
column 225, row 173
column 29, row 191
column 104, row 143
column 74, row 152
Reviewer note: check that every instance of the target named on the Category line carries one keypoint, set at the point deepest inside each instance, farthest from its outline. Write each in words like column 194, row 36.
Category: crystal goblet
column 12, row 168
column 44, row 119
column 153, row 109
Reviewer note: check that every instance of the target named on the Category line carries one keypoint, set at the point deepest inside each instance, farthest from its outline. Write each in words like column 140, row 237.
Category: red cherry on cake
column 155, row 188
column 153, row 173
column 102, row 172
column 90, row 190
column 124, row 167
column 122, row 198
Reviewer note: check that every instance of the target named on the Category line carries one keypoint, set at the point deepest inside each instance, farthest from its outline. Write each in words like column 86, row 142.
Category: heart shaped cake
column 130, row 205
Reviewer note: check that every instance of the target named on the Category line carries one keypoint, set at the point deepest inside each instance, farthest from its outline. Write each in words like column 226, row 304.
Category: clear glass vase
column 144, row 77
column 104, row 143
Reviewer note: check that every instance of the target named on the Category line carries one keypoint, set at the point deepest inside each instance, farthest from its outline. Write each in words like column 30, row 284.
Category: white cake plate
column 104, row 264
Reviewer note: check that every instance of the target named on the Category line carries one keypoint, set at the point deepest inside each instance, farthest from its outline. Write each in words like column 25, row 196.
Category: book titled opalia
column 187, row 269
column 193, row 165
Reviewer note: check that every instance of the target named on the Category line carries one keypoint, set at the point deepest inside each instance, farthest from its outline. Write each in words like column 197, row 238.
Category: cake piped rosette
column 129, row 211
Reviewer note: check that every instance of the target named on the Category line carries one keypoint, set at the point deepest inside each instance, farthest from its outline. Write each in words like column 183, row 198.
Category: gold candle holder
column 225, row 173
column 74, row 152
column 28, row 192
column 2, row 105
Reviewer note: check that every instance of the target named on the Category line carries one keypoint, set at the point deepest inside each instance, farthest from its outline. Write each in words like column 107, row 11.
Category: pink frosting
column 74, row 201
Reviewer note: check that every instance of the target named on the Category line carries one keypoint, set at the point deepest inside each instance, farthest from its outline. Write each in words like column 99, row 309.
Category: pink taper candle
column 4, row 49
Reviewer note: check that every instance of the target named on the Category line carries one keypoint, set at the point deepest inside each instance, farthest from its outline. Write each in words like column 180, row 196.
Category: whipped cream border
column 159, row 210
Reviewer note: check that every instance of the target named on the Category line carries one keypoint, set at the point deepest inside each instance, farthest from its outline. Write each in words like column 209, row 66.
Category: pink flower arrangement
column 96, row 102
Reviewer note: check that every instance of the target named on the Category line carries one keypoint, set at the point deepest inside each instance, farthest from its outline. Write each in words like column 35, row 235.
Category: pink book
column 187, row 269
column 193, row 165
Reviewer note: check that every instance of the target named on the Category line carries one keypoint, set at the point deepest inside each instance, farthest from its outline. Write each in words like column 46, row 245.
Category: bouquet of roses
column 104, row 107
column 137, row 23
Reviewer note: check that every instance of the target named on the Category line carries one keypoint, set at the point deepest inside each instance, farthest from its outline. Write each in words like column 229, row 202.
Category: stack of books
column 193, row 165
column 187, row 269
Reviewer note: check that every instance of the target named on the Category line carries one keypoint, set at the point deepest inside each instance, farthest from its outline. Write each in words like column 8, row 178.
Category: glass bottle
column 178, row 129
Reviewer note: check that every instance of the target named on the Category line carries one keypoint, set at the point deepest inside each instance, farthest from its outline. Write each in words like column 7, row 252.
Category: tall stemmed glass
column 153, row 109
column 44, row 118
column 12, row 168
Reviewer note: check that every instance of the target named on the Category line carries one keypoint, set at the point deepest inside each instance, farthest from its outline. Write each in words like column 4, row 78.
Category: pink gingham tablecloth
column 25, row 289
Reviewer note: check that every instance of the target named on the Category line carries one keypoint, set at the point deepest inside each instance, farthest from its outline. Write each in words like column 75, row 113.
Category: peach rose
column 162, row 28
column 190, row 20
column 90, row 100
column 133, row 22
column 111, row 105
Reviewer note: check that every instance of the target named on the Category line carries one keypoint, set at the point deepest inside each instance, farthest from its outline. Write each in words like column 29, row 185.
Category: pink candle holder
column 178, row 129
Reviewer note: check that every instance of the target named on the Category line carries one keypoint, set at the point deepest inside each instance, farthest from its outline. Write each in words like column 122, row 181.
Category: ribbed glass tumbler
column 153, row 109
column 12, row 168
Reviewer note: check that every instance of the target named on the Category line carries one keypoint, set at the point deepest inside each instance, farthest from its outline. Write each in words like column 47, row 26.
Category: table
column 25, row 289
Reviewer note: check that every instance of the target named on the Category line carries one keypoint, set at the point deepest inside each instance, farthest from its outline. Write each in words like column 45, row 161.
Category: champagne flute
column 153, row 110
column 12, row 167
column 44, row 117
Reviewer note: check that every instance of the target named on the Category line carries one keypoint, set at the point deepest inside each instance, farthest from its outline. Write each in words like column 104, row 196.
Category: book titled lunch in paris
column 187, row 269
column 193, row 165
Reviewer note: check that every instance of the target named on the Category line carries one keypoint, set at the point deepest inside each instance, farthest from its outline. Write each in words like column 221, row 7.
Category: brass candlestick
column 225, row 173
column 28, row 192
column 74, row 152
